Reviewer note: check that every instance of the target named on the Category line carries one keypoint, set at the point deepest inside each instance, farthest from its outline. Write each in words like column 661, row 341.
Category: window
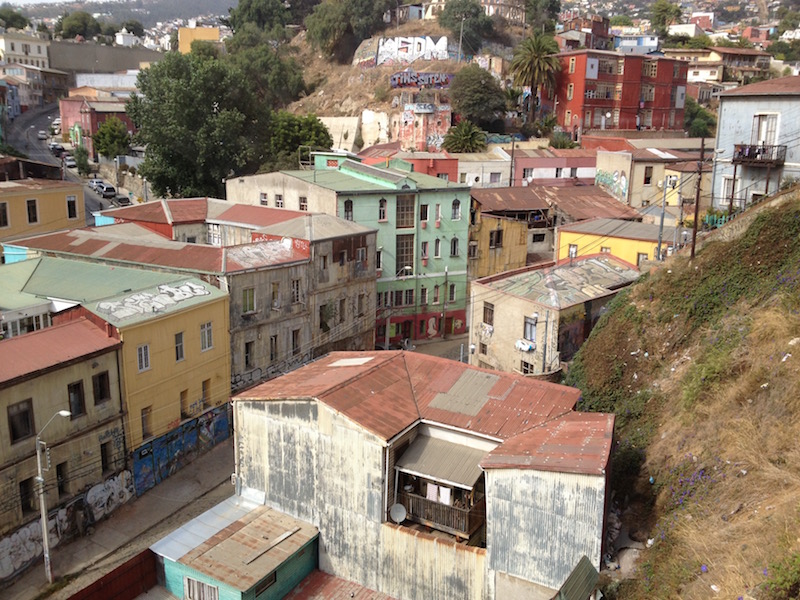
column 197, row 590
column 263, row 199
column 538, row 238
column 404, row 252
column 529, row 331
column 496, row 238
column 648, row 175
column 648, row 93
column 382, row 209
column 764, row 130
column 184, row 400
column 342, row 257
column 361, row 255
column 278, row 200
column 559, row 172
column 27, row 497
column 249, row 300
column 295, row 291
column 640, row 258
column 567, row 118
column 33, row 216
column 423, row 212
column 266, row 583
column 472, row 250
column 20, row 420
column 273, row 348
column 61, row 479
column 101, row 387
column 77, row 403
column 573, row 172
column 527, row 173
column 436, row 294
column 456, row 213
column 214, row 234
column 206, row 337
column 362, row 303
column 452, row 293
column 249, row 350
column 483, row 348
column 4, row 214
column 526, row 368
column 424, row 252
column 423, row 296
column 649, row 68
column 438, row 214
column 295, row 342
column 379, row 259
column 205, row 390
column 72, row 207
column 605, row 249
column 324, row 261
column 276, row 294
column 488, row 313
column 405, row 211
column 408, row 300
column 348, row 210
column 494, row 177
column 454, row 247
column 572, row 64
column 143, row 357
column 105, row 457
column 147, row 422
column 398, row 298
column 342, row 310
column 570, row 91
column 437, row 248
column 444, row 176
column 422, row 328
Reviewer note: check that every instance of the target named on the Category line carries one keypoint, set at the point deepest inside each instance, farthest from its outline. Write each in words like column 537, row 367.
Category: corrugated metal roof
column 237, row 542
column 27, row 354
column 372, row 171
column 256, row 216
column 783, row 86
column 468, row 394
column 454, row 464
column 572, row 443
column 14, row 276
column 581, row 582
column 509, row 198
column 322, row 586
column 566, row 284
column 342, row 181
column 618, row 228
column 315, row 227
column 22, row 186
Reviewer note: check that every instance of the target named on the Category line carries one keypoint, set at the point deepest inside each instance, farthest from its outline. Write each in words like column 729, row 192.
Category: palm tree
column 464, row 137
column 536, row 63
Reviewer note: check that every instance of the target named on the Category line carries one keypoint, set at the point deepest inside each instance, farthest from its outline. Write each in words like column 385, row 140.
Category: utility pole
column 460, row 37
column 667, row 181
column 444, row 306
column 511, row 170
column 697, row 194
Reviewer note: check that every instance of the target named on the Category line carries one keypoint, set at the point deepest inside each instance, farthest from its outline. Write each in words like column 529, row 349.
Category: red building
column 436, row 164
column 81, row 116
column 598, row 89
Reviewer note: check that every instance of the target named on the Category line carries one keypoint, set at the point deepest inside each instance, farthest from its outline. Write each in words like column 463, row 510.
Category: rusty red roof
column 48, row 348
column 582, row 202
column 386, row 392
column 129, row 243
column 148, row 212
column 508, row 198
column 572, row 443
column 258, row 216
column 188, row 210
column 319, row 585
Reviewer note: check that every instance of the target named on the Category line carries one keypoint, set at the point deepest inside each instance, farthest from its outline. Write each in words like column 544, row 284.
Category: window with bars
column 488, row 313
column 348, row 210
column 295, row 291
column 405, row 211
column 404, row 251
column 382, row 209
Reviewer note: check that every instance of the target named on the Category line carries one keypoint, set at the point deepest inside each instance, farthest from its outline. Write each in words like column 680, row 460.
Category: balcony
column 458, row 521
column 754, row 155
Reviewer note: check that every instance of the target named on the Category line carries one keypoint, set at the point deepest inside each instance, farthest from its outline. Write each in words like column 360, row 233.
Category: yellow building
column 630, row 241
column 187, row 35
column 32, row 206
column 496, row 243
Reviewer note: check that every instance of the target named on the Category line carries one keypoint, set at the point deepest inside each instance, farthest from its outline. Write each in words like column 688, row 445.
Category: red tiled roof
column 573, row 443
column 319, row 585
column 50, row 347
column 386, row 392
column 381, row 150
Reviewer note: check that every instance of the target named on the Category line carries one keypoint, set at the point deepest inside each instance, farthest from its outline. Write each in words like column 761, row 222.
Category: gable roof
column 783, row 86
column 509, row 198
column 582, row 202
column 385, row 392
column 616, row 228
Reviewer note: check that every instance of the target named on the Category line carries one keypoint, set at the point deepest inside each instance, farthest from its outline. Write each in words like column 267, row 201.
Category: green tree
column 467, row 21
column 276, row 77
column 264, row 14
column 12, row 18
column 621, row 21
column 542, row 15
column 698, row 121
column 112, row 138
column 133, row 26
column 288, row 133
column 337, row 26
column 464, row 137
column 535, row 64
column 79, row 23
column 561, row 140
column 81, row 155
column 201, row 122
column 663, row 14
column 42, row 28
column 108, row 29
column 476, row 95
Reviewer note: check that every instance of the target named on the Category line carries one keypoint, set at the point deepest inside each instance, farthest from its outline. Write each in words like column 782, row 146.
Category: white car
column 93, row 183
column 42, row 135
column 69, row 161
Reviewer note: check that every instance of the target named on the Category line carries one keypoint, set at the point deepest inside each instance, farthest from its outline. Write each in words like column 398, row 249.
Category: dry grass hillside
column 701, row 362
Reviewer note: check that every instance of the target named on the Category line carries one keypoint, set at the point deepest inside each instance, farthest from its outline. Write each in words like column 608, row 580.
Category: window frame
column 72, row 207
column 31, row 204
column 180, row 347
column 455, row 210
column 101, row 387
column 206, row 336
column 26, row 407
column 249, row 300
column 382, row 210
column 488, row 313
column 5, row 217
column 143, row 357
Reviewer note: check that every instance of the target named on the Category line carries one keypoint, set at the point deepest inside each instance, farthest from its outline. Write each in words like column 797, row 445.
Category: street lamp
column 42, row 503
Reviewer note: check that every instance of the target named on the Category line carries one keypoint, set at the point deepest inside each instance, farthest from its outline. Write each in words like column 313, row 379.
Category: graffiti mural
column 409, row 78
column 162, row 457
column 409, row 49
column 24, row 547
column 149, row 302
column 615, row 183
column 242, row 380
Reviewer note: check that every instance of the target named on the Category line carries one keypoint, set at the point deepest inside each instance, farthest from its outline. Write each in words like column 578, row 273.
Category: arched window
column 456, row 210
column 382, row 209
column 348, row 210
column 454, row 247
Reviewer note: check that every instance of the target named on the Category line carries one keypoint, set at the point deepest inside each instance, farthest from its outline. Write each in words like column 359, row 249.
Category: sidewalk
column 454, row 347
column 130, row 521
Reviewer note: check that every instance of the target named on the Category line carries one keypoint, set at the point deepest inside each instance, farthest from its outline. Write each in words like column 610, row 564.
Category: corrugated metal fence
column 126, row 582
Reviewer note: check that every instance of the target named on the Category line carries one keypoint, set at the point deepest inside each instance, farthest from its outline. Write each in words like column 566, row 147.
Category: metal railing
column 759, row 155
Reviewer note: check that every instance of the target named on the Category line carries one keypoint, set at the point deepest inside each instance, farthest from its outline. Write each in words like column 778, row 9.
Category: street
column 22, row 135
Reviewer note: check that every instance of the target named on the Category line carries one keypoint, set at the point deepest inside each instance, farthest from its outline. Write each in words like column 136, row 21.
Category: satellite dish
column 398, row 513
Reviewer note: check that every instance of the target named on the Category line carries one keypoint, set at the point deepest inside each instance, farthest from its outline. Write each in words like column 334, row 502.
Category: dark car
column 57, row 150
column 121, row 201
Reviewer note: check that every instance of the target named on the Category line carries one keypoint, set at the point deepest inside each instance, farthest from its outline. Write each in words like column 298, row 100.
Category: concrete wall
column 557, row 517
column 512, row 253
column 614, row 174
column 248, row 190
column 74, row 57
column 51, row 207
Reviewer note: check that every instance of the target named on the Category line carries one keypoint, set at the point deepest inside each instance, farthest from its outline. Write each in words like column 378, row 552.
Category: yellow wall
column 187, row 35
column 588, row 243
column 513, row 252
column 160, row 387
column 51, row 206
column 687, row 187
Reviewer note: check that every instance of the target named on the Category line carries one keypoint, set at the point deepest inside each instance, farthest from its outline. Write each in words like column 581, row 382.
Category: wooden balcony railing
column 759, row 156
column 461, row 522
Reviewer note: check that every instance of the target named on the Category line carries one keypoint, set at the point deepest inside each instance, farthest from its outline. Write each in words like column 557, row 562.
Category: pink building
column 81, row 116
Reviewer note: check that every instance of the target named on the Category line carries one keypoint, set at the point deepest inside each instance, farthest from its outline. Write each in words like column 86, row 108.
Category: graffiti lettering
column 409, row 78
column 148, row 302
column 409, row 49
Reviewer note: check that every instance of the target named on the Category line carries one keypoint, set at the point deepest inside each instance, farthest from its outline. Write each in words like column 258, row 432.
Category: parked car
column 121, row 201
column 93, row 183
column 69, row 162
column 106, row 190
column 42, row 135
column 57, row 150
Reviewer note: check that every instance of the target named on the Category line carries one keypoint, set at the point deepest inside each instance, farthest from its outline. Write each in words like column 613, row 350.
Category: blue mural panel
column 143, row 471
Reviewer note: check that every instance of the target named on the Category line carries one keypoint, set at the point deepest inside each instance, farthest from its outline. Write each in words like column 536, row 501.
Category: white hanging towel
column 433, row 492
column 444, row 495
